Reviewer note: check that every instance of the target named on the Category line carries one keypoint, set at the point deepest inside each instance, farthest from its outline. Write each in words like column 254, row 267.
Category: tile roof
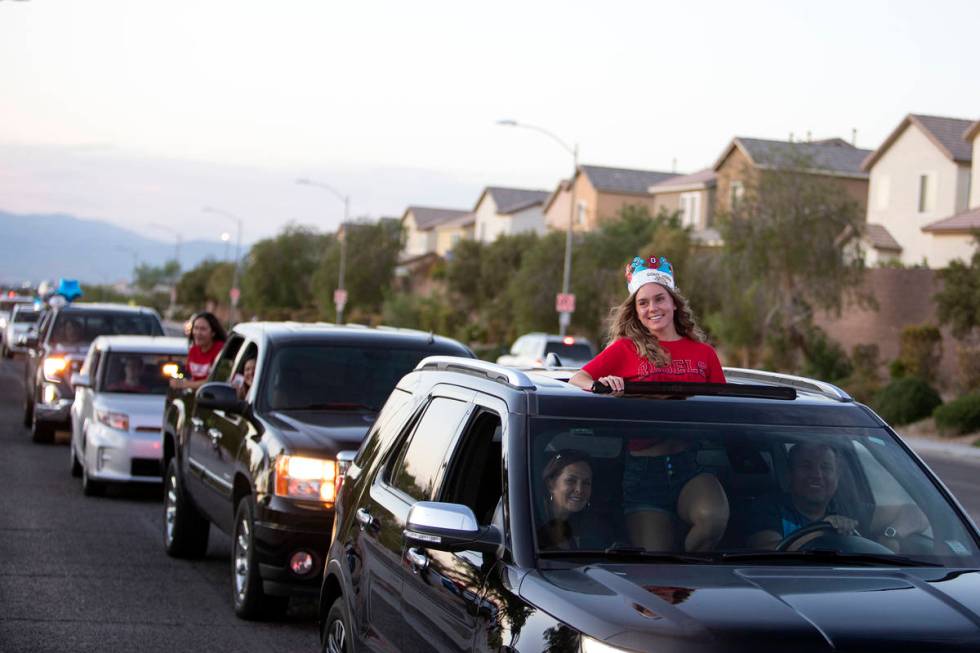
column 623, row 180
column 703, row 178
column 833, row 155
column 464, row 220
column 879, row 238
column 947, row 134
column 959, row 223
column 510, row 200
column 427, row 217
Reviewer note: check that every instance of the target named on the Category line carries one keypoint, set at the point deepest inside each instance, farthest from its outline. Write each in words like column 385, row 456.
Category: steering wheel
column 818, row 527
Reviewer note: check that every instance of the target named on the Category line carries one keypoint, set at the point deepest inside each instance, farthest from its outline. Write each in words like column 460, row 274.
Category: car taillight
column 299, row 477
column 113, row 420
column 54, row 367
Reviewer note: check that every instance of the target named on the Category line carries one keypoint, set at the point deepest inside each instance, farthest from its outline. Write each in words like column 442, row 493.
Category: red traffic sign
column 565, row 303
column 339, row 297
column 234, row 294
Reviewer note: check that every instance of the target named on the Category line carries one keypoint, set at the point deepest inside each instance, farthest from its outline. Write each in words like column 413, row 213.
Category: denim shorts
column 655, row 482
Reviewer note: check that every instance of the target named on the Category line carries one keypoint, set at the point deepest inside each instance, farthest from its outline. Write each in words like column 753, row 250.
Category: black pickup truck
column 264, row 465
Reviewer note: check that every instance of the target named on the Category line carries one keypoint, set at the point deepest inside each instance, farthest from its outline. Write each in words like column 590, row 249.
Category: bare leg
column 651, row 529
column 703, row 505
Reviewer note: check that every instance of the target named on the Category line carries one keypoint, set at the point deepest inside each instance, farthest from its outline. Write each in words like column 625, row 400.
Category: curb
column 947, row 449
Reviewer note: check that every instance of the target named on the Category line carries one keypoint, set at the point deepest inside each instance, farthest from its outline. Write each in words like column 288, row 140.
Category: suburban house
column 600, row 193
column 693, row 196
column 419, row 223
column 920, row 188
column 744, row 158
column 507, row 211
column 451, row 232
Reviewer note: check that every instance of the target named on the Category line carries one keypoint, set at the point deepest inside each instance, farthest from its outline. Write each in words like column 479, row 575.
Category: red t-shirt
column 199, row 363
column 690, row 361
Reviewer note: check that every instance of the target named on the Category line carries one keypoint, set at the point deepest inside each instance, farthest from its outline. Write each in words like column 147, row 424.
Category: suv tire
column 337, row 632
column 250, row 600
column 185, row 531
column 41, row 433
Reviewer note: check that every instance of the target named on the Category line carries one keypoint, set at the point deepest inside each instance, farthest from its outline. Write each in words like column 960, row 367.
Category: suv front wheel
column 337, row 633
column 185, row 531
column 251, row 601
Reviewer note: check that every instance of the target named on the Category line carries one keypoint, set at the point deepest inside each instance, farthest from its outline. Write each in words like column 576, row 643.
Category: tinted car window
column 82, row 327
column 416, row 470
column 28, row 317
column 858, row 473
column 572, row 352
column 136, row 373
column 320, row 376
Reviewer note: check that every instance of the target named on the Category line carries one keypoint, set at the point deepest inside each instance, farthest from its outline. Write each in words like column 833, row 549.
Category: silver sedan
column 118, row 409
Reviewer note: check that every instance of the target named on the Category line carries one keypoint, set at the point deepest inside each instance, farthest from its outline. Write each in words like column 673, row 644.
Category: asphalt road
column 90, row 574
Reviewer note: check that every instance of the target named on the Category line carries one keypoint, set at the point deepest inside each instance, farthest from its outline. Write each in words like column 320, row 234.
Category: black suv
column 264, row 465
column 58, row 348
column 445, row 538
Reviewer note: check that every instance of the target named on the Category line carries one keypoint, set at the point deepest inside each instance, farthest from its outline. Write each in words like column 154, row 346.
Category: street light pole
column 340, row 296
column 564, row 317
column 235, row 293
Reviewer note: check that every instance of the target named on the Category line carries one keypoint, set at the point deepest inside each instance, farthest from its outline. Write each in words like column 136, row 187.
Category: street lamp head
column 225, row 236
column 507, row 122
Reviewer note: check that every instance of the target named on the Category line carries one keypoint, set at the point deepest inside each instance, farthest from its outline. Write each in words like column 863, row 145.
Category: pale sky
column 139, row 111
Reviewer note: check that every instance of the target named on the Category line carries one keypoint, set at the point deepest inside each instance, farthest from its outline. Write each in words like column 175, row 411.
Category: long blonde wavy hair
column 625, row 323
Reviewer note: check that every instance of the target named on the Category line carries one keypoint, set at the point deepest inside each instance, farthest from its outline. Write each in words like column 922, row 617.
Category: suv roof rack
column 828, row 390
column 490, row 371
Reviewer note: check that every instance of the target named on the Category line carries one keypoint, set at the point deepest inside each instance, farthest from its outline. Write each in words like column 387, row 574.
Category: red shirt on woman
column 199, row 363
column 690, row 361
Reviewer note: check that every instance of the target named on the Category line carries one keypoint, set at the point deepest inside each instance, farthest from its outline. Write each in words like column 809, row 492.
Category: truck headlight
column 54, row 367
column 299, row 477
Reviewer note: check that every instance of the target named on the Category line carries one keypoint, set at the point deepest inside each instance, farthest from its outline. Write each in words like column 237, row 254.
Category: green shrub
column 968, row 358
column 959, row 416
column 865, row 380
column 921, row 350
column 906, row 400
column 825, row 359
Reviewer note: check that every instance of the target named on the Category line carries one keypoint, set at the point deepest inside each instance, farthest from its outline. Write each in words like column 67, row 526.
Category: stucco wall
column 904, row 298
column 975, row 180
column 416, row 242
column 488, row 224
column 735, row 166
column 899, row 168
column 671, row 202
column 609, row 205
column 530, row 219
column 949, row 247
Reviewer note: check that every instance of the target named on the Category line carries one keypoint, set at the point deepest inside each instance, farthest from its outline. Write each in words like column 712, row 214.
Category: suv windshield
column 783, row 494
column 26, row 317
column 138, row 373
column 312, row 377
column 73, row 328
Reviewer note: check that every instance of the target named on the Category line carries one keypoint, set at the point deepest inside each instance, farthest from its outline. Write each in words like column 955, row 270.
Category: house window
column 927, row 192
column 454, row 240
column 580, row 213
column 690, row 209
column 883, row 191
column 738, row 190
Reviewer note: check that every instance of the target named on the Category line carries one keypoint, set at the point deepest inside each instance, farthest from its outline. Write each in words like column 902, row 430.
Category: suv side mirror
column 28, row 340
column 449, row 527
column 220, row 396
column 552, row 360
column 79, row 380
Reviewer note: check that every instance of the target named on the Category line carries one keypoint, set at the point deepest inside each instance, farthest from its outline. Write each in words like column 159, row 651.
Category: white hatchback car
column 532, row 349
column 118, row 409
column 23, row 318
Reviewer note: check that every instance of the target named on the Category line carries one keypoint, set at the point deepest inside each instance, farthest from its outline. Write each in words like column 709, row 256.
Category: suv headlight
column 113, row 420
column 299, row 477
column 590, row 645
column 54, row 367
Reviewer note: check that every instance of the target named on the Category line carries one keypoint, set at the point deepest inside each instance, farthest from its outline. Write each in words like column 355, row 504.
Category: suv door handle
column 197, row 423
column 364, row 518
column 215, row 436
column 417, row 559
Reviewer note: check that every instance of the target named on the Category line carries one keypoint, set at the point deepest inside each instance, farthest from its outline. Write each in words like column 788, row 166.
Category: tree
column 791, row 245
column 195, row 287
column 149, row 277
column 958, row 302
column 277, row 282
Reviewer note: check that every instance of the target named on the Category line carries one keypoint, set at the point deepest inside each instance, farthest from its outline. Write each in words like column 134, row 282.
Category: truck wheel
column 251, row 601
column 337, row 633
column 185, row 531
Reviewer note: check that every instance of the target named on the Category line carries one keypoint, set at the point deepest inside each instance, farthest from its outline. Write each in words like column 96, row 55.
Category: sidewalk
column 950, row 449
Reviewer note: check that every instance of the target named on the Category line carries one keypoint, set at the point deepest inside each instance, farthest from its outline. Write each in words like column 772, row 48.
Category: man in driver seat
column 814, row 476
